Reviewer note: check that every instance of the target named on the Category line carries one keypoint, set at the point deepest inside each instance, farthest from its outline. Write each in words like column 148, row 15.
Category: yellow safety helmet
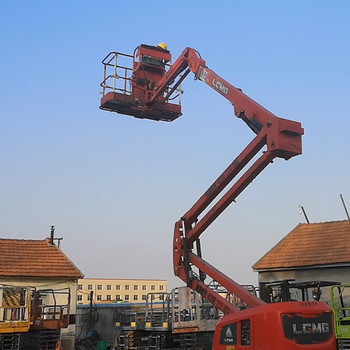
column 163, row 46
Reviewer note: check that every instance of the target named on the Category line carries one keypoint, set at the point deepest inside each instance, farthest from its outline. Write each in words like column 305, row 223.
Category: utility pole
column 90, row 311
column 304, row 213
column 346, row 210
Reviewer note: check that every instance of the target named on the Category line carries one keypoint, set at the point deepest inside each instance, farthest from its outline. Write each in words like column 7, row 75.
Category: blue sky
column 113, row 185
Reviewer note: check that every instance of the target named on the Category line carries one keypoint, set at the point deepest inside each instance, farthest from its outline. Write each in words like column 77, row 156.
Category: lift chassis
column 151, row 89
column 32, row 318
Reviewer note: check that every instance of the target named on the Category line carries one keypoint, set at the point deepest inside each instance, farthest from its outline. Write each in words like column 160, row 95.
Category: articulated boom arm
column 189, row 228
column 282, row 139
column 151, row 96
column 251, row 112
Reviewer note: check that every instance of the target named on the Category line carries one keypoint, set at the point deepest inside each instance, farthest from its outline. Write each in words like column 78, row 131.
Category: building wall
column 333, row 274
column 103, row 319
column 114, row 290
column 47, row 283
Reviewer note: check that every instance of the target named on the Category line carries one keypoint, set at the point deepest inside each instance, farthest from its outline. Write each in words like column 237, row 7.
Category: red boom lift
column 149, row 91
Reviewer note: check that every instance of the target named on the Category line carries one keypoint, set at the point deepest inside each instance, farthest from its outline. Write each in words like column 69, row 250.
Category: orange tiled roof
column 34, row 258
column 309, row 245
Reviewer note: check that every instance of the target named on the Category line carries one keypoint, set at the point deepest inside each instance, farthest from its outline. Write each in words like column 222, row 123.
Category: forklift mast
column 152, row 90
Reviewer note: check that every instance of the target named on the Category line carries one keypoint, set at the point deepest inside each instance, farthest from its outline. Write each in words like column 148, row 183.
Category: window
column 161, row 287
column 245, row 332
column 117, row 297
column 99, row 297
column 126, row 298
column 153, row 287
column 117, row 287
column 109, row 287
column 144, row 297
column 144, row 287
column 89, row 286
column 126, row 287
column 80, row 287
column 99, row 287
column 89, row 297
column 80, row 298
column 136, row 287
column 109, row 297
column 136, row 297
